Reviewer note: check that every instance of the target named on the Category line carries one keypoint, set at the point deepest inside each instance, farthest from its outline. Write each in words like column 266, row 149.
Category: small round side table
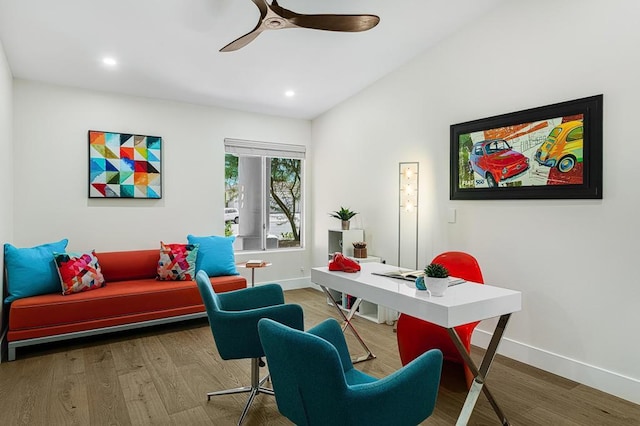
column 253, row 269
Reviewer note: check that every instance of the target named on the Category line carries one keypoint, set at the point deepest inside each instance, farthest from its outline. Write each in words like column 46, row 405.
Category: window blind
column 264, row 149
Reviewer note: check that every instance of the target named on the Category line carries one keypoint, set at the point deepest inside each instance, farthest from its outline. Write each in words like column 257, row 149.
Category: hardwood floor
column 161, row 376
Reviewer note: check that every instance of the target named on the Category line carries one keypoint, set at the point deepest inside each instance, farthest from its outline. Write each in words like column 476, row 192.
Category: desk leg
column 347, row 323
column 481, row 374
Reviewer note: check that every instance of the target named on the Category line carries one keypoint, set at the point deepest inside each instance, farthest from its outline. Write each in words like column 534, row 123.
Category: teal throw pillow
column 32, row 271
column 215, row 255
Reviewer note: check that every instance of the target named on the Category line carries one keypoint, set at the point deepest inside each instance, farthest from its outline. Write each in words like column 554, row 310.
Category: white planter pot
column 436, row 286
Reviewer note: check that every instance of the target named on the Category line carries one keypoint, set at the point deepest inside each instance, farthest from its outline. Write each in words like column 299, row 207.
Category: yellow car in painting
column 563, row 147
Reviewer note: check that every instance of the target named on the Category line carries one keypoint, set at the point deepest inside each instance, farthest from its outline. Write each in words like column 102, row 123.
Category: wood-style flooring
column 161, row 376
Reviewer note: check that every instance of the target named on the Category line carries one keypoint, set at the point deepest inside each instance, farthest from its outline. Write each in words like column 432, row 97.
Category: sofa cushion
column 32, row 271
column 128, row 265
column 215, row 255
column 177, row 262
column 78, row 272
column 119, row 302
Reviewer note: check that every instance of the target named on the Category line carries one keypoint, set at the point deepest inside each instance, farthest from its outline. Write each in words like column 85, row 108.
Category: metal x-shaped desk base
column 347, row 324
column 480, row 374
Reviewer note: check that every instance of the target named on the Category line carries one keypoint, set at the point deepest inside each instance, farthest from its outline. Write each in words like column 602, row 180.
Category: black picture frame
column 564, row 164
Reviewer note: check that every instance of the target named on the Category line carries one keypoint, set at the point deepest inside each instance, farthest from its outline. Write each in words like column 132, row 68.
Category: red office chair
column 416, row 336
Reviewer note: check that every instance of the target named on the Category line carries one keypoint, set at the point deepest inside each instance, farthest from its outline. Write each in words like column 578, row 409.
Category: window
column 575, row 134
column 264, row 182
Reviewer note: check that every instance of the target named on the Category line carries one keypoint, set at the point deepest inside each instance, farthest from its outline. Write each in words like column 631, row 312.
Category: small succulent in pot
column 343, row 214
column 436, row 279
column 359, row 244
column 436, row 270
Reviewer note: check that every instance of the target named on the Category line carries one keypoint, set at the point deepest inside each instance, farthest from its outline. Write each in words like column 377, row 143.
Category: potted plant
column 344, row 215
column 436, row 279
column 360, row 249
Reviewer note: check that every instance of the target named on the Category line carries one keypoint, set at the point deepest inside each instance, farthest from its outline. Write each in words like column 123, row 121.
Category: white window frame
column 265, row 150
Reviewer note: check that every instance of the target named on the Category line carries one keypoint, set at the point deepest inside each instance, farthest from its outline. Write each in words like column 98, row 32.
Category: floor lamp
column 408, row 215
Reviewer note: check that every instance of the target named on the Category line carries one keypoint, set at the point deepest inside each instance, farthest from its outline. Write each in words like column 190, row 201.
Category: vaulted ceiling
column 169, row 49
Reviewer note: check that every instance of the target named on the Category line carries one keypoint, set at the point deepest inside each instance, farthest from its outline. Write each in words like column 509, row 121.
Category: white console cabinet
column 342, row 241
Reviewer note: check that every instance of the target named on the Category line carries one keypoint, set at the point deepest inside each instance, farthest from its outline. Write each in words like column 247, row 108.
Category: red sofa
column 131, row 298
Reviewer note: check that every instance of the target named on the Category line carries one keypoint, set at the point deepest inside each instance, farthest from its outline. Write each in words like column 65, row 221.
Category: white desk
column 461, row 304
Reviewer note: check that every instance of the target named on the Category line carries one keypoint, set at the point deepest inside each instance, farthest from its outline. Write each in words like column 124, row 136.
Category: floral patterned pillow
column 78, row 272
column 177, row 262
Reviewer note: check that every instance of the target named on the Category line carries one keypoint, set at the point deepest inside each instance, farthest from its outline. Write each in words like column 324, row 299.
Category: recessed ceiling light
column 289, row 93
column 109, row 61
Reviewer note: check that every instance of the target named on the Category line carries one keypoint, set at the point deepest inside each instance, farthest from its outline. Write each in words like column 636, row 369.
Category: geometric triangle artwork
column 126, row 191
column 112, row 191
column 141, row 179
column 113, row 178
column 98, row 188
column 109, row 153
column 151, row 193
column 153, row 155
column 124, row 165
column 153, row 179
column 140, row 166
column 126, row 153
column 127, row 143
column 127, row 164
column 126, row 178
column 151, row 168
column 140, row 153
column 124, row 138
column 111, row 167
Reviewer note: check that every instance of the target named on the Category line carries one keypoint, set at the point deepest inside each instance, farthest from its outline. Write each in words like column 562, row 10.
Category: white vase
column 436, row 286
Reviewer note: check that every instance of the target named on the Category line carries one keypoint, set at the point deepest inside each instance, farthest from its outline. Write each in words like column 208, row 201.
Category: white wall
column 6, row 163
column 575, row 261
column 51, row 149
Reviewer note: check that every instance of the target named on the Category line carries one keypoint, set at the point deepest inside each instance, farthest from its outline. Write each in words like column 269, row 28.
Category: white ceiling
column 168, row 49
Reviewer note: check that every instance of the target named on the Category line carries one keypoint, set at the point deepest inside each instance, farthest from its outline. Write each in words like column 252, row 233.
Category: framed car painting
column 123, row 165
column 554, row 151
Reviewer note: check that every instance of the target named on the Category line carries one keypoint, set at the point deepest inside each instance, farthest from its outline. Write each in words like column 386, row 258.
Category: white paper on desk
column 455, row 281
column 401, row 275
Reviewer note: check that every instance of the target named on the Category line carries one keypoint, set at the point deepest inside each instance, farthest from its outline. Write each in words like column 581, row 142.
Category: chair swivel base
column 254, row 389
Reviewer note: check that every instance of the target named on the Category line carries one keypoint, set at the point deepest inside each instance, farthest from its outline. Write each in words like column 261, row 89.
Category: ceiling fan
column 275, row 17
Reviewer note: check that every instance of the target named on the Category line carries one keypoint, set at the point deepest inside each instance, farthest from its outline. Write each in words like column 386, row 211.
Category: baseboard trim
column 294, row 283
column 590, row 375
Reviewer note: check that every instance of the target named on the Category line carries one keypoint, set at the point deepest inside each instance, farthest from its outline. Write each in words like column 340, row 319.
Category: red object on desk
column 416, row 336
column 342, row 263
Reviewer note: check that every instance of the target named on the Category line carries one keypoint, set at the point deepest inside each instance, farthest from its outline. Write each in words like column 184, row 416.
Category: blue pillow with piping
column 32, row 271
column 215, row 255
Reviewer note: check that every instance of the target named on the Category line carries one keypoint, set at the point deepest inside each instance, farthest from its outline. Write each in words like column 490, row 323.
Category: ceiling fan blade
column 281, row 11
column 243, row 41
column 348, row 23
column 262, row 5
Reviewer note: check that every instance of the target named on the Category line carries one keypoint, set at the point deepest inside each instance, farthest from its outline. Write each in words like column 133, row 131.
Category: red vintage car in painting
column 496, row 161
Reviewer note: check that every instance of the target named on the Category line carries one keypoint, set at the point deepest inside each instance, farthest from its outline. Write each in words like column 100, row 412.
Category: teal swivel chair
column 315, row 382
column 233, row 317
